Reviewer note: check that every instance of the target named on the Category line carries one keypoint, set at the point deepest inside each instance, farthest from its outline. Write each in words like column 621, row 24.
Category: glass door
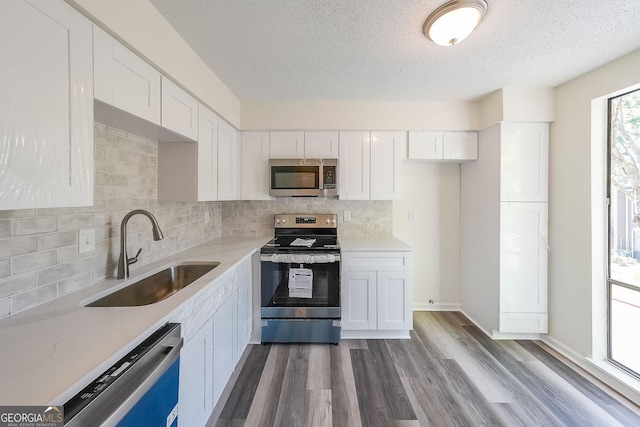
column 623, row 284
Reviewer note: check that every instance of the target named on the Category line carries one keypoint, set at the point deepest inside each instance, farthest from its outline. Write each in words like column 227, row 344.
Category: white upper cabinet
column 321, row 145
column 385, row 165
column 301, row 145
column 179, row 110
column 188, row 171
column 124, row 80
column 228, row 164
column 447, row 146
column 425, row 145
column 286, row 145
column 255, row 166
column 524, row 164
column 460, row 146
column 207, row 155
column 354, row 166
column 46, row 106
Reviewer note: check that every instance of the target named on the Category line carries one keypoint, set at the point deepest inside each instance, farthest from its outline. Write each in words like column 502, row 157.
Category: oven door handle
column 300, row 258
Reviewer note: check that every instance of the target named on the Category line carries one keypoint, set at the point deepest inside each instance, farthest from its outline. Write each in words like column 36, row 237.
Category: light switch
column 86, row 240
column 347, row 216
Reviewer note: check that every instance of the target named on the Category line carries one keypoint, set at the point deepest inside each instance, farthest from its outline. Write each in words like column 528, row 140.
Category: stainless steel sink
column 157, row 287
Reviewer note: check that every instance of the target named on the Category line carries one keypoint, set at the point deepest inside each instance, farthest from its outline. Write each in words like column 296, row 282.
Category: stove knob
column 333, row 221
column 284, row 221
column 278, row 221
column 328, row 221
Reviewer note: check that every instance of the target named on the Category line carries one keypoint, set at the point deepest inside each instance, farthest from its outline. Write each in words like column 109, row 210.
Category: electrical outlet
column 411, row 216
column 347, row 216
column 86, row 240
column 206, row 217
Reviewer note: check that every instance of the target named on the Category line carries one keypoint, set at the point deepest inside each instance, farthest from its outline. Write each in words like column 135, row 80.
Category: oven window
column 295, row 177
column 325, row 290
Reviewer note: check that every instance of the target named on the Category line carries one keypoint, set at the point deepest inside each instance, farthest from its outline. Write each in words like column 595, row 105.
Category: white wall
column 570, row 203
column 162, row 46
column 360, row 115
column 432, row 193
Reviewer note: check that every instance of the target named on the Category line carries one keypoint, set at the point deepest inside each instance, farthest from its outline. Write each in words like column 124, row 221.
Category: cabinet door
column 255, row 166
column 227, row 162
column 244, row 316
column 124, row 80
column 394, row 300
column 179, row 110
column 359, row 300
column 460, row 146
column 523, row 258
column 321, row 145
column 195, row 396
column 207, row 155
column 286, row 145
column 524, row 167
column 354, row 166
column 425, row 145
column 224, row 345
column 46, row 106
column 385, row 165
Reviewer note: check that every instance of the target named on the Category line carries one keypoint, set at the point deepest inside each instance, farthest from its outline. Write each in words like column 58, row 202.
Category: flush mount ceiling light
column 452, row 22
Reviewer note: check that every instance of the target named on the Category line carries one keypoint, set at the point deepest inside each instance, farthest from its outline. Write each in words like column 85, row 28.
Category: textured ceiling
column 375, row 50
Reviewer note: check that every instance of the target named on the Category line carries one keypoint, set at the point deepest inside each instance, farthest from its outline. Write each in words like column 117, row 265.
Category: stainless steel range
column 301, row 280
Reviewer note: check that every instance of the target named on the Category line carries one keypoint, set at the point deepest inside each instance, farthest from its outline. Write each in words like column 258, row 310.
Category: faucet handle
column 135, row 258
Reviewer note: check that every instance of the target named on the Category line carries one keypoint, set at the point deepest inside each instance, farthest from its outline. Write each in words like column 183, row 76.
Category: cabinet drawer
column 375, row 261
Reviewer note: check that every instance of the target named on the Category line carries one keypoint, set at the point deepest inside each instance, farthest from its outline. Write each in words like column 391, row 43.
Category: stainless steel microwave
column 303, row 177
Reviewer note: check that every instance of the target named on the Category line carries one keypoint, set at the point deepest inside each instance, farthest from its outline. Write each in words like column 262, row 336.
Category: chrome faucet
column 124, row 261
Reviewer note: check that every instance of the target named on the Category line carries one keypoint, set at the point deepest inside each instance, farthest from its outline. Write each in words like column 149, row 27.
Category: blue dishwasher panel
column 154, row 407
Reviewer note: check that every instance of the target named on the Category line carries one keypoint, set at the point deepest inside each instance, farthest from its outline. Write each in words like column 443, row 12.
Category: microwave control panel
column 329, row 179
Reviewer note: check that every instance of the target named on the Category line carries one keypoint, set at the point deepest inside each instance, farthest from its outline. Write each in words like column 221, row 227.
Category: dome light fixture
column 452, row 22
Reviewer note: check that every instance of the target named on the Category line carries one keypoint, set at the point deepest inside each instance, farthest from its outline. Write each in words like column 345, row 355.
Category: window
column 623, row 282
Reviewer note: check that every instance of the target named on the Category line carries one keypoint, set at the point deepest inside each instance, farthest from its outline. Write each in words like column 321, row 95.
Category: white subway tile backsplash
column 76, row 221
column 18, row 246
column 5, row 307
column 5, row 229
column 37, row 225
column 34, row 261
column 74, row 283
column 5, row 268
column 55, row 273
column 36, row 296
column 57, row 240
column 17, row 283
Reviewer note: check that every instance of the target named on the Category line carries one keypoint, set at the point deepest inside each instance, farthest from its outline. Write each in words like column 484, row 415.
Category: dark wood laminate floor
column 448, row 374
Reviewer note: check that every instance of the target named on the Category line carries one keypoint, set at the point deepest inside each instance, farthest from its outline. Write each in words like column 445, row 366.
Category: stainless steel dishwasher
column 141, row 389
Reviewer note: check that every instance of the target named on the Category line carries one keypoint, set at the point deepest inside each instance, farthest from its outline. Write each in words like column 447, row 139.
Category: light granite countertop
column 51, row 351
column 373, row 244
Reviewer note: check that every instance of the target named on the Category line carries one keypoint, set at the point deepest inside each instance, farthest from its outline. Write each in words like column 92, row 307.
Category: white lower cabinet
column 209, row 358
column 377, row 294
column 196, row 380
column 224, row 345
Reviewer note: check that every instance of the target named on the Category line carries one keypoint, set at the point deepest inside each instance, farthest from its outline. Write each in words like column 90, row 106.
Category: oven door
column 294, row 290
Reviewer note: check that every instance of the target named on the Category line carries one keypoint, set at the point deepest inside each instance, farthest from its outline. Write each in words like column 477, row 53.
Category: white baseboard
column 425, row 306
column 495, row 335
column 617, row 379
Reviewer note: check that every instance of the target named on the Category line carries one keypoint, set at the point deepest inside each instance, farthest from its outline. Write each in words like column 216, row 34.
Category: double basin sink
column 156, row 287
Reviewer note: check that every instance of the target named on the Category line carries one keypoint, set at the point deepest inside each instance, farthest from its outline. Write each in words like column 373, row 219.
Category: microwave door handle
column 321, row 175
